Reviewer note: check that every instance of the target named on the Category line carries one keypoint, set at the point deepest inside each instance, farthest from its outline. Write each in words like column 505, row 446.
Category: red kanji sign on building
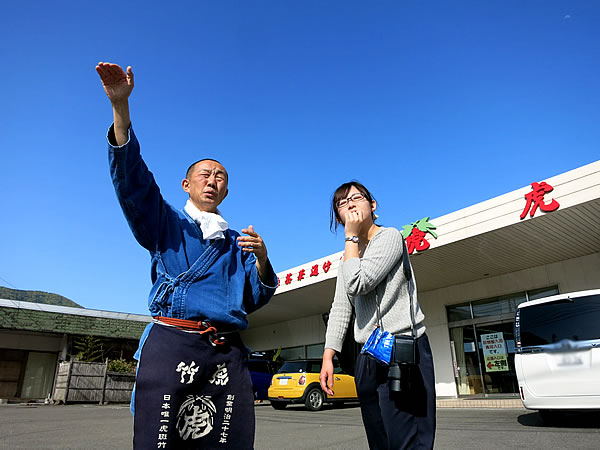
column 416, row 241
column 302, row 273
column 414, row 235
column 314, row 271
column 535, row 199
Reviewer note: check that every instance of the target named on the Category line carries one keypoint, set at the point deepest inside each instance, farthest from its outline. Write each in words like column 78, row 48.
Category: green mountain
column 36, row 297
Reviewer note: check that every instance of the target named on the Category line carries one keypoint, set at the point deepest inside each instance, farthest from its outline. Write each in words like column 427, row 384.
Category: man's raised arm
column 118, row 86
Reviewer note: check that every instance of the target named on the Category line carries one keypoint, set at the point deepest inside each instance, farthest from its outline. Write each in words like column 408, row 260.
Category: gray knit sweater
column 361, row 282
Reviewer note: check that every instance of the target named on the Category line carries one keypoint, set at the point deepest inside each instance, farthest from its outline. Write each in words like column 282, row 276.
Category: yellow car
column 298, row 382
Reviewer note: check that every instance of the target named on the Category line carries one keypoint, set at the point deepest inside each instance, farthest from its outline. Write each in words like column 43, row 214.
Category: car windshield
column 300, row 366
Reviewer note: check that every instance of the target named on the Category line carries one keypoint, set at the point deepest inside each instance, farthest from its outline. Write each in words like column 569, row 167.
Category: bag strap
column 408, row 274
column 379, row 321
column 406, row 266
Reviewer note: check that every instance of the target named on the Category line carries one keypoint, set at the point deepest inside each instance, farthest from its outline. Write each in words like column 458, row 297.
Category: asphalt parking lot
column 340, row 427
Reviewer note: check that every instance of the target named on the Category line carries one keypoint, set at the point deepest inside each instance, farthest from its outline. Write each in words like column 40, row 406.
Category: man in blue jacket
column 193, row 389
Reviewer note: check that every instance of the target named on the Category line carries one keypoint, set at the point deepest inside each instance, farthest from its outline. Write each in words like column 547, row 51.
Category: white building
column 486, row 260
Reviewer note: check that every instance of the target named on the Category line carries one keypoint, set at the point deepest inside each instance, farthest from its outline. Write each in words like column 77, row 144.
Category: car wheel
column 278, row 405
column 314, row 400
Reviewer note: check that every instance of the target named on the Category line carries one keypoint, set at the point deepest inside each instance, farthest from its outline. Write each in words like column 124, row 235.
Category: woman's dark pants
column 398, row 420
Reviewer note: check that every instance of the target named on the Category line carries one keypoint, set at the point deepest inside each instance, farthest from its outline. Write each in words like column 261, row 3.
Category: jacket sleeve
column 137, row 192
column 258, row 292
column 362, row 275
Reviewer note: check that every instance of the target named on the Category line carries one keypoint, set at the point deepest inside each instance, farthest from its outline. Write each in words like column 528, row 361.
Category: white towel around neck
column 213, row 225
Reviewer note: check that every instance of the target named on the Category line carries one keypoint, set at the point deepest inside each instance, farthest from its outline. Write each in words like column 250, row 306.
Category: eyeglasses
column 358, row 197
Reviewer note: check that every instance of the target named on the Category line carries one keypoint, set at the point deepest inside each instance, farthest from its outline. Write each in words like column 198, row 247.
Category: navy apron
column 191, row 394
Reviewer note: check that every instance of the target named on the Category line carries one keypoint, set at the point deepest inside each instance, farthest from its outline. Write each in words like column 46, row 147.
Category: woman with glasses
column 371, row 277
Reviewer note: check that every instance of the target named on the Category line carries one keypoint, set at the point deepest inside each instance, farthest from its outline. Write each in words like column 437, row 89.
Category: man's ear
column 185, row 184
column 226, row 192
column 373, row 206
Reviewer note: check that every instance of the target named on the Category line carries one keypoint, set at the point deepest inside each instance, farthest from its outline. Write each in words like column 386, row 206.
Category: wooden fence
column 78, row 381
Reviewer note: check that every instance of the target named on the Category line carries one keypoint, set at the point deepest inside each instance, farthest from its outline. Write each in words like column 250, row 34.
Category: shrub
column 89, row 349
column 121, row 365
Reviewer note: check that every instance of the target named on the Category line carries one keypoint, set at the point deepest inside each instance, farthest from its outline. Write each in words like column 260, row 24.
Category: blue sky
column 434, row 106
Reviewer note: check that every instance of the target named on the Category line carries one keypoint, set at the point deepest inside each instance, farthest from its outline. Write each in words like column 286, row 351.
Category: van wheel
column 278, row 405
column 314, row 400
column 549, row 417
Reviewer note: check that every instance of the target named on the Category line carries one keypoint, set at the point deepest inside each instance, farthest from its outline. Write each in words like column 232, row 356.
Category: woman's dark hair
column 340, row 194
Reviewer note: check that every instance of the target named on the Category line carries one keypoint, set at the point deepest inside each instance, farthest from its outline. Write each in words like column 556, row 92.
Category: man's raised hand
column 117, row 84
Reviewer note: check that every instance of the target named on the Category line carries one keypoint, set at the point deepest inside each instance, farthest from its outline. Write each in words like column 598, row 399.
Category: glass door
column 496, row 350
column 467, row 365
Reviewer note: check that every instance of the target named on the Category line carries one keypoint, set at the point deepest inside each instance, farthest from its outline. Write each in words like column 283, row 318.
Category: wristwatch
column 352, row 239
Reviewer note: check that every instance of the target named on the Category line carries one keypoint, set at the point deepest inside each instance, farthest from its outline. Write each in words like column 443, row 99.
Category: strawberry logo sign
column 415, row 235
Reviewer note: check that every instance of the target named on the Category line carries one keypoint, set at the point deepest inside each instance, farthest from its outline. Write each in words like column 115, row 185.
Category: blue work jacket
column 193, row 278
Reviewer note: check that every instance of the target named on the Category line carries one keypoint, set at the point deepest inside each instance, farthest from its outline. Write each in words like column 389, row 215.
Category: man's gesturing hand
column 117, row 84
column 253, row 243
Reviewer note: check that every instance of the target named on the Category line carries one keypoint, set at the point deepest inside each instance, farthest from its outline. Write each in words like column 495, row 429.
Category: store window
column 483, row 345
column 498, row 306
column 302, row 351
column 315, row 351
column 293, row 353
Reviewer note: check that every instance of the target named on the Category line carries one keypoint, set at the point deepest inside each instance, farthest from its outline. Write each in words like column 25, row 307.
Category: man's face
column 207, row 185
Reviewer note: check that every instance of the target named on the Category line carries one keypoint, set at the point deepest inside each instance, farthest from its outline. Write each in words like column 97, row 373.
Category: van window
column 259, row 366
column 575, row 319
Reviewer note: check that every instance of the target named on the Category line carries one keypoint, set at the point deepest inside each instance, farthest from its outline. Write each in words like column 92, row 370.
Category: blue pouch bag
column 380, row 346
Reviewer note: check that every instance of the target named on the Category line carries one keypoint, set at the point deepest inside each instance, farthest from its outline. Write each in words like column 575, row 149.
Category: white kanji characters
column 187, row 370
column 220, row 377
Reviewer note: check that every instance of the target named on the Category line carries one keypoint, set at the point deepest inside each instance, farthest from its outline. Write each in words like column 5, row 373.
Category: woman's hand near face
column 353, row 220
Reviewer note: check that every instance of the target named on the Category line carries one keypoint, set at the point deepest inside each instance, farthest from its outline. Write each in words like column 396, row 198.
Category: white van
column 557, row 355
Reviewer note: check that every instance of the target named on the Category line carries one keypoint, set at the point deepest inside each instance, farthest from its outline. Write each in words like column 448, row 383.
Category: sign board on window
column 494, row 352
